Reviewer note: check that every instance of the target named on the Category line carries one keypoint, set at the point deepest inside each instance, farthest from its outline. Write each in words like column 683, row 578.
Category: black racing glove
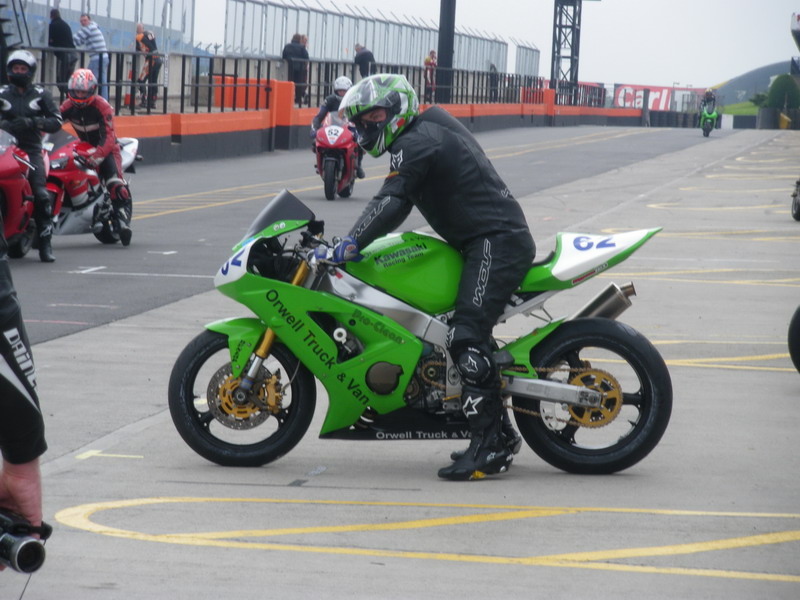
column 22, row 124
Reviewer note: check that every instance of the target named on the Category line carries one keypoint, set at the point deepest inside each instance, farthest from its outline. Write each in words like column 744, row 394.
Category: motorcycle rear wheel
column 233, row 434
column 796, row 204
column 329, row 177
column 346, row 192
column 611, row 357
column 794, row 339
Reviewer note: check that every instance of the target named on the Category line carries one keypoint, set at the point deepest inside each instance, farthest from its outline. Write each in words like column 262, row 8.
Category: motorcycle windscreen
column 282, row 208
column 418, row 269
column 6, row 140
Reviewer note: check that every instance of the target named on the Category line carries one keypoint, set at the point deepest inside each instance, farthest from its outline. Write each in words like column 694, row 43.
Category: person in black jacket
column 331, row 105
column 148, row 77
column 438, row 167
column 60, row 36
column 22, row 439
column 364, row 60
column 27, row 110
column 296, row 55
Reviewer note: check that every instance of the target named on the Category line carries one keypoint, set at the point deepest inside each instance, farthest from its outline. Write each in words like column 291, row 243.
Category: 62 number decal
column 584, row 243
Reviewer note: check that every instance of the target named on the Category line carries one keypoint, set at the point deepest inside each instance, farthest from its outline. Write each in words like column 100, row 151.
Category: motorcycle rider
column 26, row 111
column 22, row 438
column 331, row 105
column 93, row 120
column 439, row 167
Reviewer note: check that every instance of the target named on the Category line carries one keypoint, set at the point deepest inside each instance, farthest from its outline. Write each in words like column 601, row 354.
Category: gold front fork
column 265, row 345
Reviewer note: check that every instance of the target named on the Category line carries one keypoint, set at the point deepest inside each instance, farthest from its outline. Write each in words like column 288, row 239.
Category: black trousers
column 494, row 266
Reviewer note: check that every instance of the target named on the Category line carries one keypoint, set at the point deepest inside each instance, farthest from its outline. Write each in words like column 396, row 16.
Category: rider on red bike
column 93, row 120
column 331, row 105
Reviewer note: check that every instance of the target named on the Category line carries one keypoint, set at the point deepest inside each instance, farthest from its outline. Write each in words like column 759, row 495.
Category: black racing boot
column 487, row 454
column 511, row 439
column 46, row 249
column 125, row 232
column 360, row 172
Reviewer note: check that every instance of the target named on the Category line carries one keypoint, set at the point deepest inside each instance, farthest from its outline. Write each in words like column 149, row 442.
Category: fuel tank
column 416, row 268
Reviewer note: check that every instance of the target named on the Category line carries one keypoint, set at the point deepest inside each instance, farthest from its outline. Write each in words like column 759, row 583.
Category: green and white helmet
column 385, row 90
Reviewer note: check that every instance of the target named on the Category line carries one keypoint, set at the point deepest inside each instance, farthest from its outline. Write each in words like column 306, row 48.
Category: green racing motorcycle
column 708, row 118
column 589, row 394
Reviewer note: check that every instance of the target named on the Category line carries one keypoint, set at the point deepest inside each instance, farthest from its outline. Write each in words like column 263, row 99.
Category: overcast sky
column 655, row 42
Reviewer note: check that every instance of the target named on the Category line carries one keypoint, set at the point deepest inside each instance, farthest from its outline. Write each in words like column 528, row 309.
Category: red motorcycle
column 80, row 198
column 16, row 198
column 337, row 156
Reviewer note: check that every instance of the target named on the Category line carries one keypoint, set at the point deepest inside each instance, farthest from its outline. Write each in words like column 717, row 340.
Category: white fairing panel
column 582, row 252
column 235, row 267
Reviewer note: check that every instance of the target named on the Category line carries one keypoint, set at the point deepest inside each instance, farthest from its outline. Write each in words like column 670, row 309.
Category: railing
column 188, row 83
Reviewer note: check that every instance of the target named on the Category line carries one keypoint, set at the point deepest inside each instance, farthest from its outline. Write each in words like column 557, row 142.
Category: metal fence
column 190, row 83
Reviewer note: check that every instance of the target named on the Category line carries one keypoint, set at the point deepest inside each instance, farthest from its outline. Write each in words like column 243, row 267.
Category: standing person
column 92, row 38
column 27, row 110
column 148, row 77
column 60, row 36
column 364, row 60
column 22, row 439
column 493, row 83
column 93, row 120
column 296, row 56
column 438, row 166
column 430, row 76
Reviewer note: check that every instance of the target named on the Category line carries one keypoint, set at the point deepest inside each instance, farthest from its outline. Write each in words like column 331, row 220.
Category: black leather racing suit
column 35, row 103
column 329, row 105
column 21, row 424
column 439, row 167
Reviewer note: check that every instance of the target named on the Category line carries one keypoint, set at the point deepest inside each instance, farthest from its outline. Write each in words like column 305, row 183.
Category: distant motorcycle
column 708, row 118
column 794, row 339
column 16, row 198
column 79, row 195
column 337, row 156
column 796, row 201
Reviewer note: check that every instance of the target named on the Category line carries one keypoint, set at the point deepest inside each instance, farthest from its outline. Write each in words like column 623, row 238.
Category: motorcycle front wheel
column 20, row 245
column 238, row 431
column 794, row 339
column 329, row 178
column 109, row 234
column 618, row 361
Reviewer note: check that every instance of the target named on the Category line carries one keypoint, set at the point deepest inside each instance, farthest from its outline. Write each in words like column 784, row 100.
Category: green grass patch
column 741, row 108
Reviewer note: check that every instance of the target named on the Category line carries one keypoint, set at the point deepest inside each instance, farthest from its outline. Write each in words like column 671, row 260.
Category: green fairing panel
column 243, row 336
column 288, row 310
column 521, row 348
column 418, row 269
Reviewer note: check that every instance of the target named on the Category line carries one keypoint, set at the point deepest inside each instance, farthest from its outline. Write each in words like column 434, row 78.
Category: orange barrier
column 283, row 113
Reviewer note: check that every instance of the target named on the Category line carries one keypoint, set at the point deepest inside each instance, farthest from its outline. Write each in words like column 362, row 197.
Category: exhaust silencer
column 608, row 304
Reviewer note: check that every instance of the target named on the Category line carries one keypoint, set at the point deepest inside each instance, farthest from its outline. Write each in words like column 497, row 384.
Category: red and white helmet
column 82, row 87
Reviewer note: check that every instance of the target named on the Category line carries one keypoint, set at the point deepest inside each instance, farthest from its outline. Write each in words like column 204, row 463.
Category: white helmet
column 342, row 83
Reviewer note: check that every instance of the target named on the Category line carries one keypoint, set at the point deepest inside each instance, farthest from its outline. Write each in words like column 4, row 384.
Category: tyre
column 794, row 339
column 109, row 233
column 607, row 356
column 329, row 177
column 22, row 243
column 347, row 191
column 215, row 424
column 796, row 204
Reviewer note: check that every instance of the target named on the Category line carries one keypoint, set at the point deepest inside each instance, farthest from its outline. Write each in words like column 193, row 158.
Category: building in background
column 262, row 27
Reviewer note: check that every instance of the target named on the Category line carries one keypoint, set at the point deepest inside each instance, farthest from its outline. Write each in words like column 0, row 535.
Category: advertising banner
column 632, row 96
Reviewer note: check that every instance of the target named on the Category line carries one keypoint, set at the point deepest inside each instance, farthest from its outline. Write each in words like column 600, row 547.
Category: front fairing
column 282, row 214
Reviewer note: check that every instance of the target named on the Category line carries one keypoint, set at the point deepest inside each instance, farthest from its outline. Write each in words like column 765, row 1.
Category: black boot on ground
column 125, row 232
column 46, row 250
column 511, row 439
column 487, row 453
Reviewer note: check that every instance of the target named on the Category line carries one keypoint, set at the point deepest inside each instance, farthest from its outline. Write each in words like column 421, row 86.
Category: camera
column 18, row 548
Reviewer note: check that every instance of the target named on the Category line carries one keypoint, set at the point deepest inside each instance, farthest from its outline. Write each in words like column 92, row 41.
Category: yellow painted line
column 726, row 208
column 734, row 191
column 94, row 453
column 554, row 145
column 733, row 177
column 792, row 168
column 79, row 517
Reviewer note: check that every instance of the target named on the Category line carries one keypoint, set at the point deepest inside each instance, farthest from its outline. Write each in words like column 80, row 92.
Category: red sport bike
column 16, row 198
column 337, row 156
